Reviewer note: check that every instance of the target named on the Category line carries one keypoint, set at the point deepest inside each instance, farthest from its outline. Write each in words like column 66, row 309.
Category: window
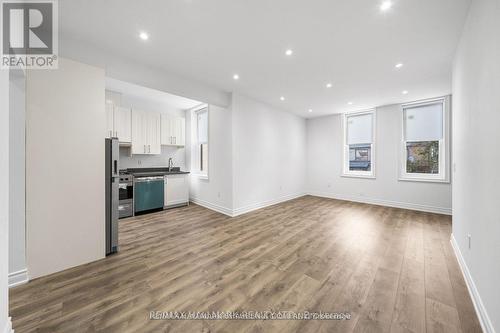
column 359, row 149
column 201, row 142
column 424, row 151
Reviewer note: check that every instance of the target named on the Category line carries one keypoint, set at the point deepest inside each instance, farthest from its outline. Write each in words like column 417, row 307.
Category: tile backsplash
column 146, row 161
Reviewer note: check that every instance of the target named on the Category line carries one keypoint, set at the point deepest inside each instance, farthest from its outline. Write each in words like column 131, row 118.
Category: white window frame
column 345, row 160
column 444, row 145
column 195, row 148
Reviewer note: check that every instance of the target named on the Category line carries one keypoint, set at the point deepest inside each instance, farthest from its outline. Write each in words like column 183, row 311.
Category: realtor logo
column 29, row 34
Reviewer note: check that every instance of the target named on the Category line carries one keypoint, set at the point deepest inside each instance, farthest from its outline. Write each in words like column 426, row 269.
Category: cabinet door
column 139, row 123
column 109, row 121
column 181, row 132
column 166, row 130
column 176, row 190
column 154, row 133
column 123, row 124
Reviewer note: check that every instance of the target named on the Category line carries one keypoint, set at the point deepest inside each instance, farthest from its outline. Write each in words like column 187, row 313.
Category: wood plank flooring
column 393, row 270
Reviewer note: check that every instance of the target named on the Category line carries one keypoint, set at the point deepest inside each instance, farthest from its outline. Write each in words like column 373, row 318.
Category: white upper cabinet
column 146, row 132
column 123, row 124
column 118, row 123
column 173, row 130
column 138, row 132
column 154, row 130
column 110, row 130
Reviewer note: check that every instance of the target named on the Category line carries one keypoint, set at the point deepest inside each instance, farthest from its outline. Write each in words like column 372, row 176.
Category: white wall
column 65, row 215
column 216, row 192
column 324, row 161
column 144, row 161
column 269, row 154
column 17, row 233
column 5, row 324
column 476, row 135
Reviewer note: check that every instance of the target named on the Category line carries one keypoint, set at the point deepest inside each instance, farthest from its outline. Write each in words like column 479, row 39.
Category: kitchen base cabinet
column 176, row 190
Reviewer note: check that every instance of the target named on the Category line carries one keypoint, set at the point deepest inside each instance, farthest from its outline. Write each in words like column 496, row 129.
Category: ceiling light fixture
column 404, row 92
column 282, row 98
column 385, row 6
column 328, row 85
column 399, row 65
column 288, row 52
column 350, row 103
column 236, row 77
column 310, row 110
column 143, row 36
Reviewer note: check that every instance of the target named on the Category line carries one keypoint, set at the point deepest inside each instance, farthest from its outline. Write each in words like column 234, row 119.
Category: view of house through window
column 360, row 157
column 359, row 143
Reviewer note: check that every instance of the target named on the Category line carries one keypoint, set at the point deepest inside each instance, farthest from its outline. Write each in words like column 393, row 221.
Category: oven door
column 126, row 191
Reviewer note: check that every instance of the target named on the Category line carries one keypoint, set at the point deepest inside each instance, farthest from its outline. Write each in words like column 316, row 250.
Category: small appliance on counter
column 112, row 194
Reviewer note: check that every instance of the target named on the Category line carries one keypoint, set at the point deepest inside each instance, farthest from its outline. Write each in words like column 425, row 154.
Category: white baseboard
column 18, row 278
column 380, row 202
column 212, row 206
column 484, row 319
column 252, row 207
column 245, row 209
column 8, row 326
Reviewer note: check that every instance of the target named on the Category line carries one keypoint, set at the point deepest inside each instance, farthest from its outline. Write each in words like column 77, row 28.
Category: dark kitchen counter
column 160, row 171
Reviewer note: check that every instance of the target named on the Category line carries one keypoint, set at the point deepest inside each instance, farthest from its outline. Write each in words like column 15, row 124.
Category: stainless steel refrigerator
column 112, row 194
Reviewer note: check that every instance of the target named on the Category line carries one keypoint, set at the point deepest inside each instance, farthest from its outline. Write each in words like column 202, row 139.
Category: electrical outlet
column 139, row 162
column 469, row 240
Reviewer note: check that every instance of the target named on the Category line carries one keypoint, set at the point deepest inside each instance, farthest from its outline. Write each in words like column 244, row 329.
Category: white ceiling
column 349, row 43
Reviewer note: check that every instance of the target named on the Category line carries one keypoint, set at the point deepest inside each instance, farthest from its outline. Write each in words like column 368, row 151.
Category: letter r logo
column 27, row 27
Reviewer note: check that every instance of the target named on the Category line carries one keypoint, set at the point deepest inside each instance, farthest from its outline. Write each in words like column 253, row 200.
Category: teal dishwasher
column 148, row 193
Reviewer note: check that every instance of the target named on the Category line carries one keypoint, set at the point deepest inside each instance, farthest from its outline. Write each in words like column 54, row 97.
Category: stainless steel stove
column 126, row 202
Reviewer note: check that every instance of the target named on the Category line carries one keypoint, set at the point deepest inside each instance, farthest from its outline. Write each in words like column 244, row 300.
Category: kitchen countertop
column 160, row 171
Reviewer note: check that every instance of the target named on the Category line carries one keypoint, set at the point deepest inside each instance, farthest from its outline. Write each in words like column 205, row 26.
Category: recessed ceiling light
column 282, row 98
column 404, row 92
column 328, row 85
column 236, row 77
column 288, row 52
column 310, row 110
column 399, row 65
column 143, row 36
column 350, row 103
column 386, row 5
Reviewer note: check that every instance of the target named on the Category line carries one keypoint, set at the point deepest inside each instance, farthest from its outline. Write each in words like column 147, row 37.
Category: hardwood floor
column 393, row 270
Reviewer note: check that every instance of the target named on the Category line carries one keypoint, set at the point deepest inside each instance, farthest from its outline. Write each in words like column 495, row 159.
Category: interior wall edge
column 481, row 312
column 8, row 326
column 267, row 203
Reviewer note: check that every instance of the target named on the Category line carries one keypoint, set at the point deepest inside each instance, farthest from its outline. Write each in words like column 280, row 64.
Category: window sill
column 350, row 175
column 424, row 180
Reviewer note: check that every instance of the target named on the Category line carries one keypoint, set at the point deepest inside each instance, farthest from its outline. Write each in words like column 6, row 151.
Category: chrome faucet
column 170, row 164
